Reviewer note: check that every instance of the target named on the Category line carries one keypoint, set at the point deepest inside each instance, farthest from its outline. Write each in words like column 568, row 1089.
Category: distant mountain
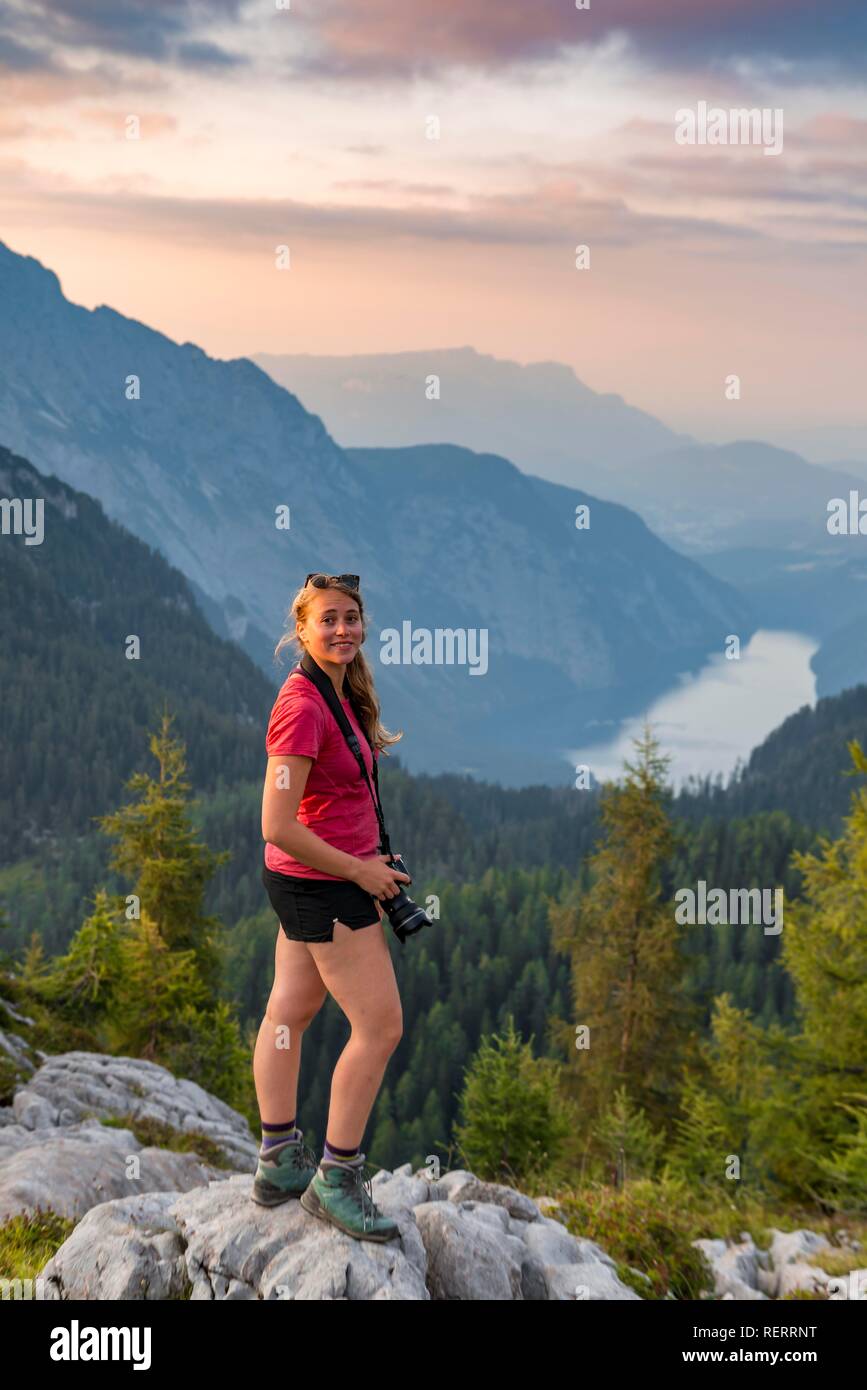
column 195, row 467
column 709, row 497
column 830, row 446
column 541, row 416
column 580, row 622
column 604, row 609
column 757, row 518
column 697, row 497
column 813, row 589
column 77, row 713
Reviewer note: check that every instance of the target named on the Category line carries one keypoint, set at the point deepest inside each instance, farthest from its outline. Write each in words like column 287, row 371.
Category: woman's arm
column 281, row 827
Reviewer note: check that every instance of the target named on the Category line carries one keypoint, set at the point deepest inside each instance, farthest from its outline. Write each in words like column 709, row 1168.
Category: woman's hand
column 376, row 878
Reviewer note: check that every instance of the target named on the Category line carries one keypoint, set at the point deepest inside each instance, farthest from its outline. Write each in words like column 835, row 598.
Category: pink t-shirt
column 336, row 804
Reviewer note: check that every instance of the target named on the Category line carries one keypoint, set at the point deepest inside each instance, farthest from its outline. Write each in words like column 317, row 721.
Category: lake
column 720, row 714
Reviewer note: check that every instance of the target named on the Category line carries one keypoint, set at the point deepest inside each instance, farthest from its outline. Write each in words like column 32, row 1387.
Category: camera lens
column 405, row 915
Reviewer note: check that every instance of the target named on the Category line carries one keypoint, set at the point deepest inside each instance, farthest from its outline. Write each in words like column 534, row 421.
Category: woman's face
column 332, row 629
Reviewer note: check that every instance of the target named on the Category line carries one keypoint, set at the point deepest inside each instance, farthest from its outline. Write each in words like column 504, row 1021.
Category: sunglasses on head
column 322, row 581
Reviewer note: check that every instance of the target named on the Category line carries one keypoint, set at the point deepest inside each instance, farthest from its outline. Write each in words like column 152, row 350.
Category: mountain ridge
column 198, row 465
column 698, row 497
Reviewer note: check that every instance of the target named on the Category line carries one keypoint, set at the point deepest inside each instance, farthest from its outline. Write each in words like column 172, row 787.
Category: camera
column 405, row 916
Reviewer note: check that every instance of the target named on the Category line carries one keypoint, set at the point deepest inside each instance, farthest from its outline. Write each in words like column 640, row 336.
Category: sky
column 432, row 166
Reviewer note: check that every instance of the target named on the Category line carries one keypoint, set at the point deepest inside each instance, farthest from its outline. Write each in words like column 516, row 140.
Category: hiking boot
column 341, row 1194
column 284, row 1170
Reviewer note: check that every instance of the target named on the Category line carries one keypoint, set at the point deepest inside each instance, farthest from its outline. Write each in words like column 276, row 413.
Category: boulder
column 73, row 1086
column 154, row 1223
column 213, row 1242
column 56, row 1154
column 743, row 1272
column 737, row 1268
column 791, row 1272
column 14, row 1046
column 70, row 1170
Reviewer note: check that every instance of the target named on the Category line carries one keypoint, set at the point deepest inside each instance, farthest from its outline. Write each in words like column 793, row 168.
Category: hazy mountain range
column 579, row 622
column 541, row 416
column 698, row 497
column 753, row 513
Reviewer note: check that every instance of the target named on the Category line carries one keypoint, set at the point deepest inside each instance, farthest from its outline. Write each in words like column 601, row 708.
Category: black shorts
column 309, row 907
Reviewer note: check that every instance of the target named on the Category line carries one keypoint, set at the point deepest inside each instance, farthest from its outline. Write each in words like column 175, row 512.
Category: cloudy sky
column 309, row 125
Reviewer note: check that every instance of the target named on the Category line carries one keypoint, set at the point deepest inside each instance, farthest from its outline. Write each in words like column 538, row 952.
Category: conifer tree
column 158, row 848
column 843, row 1172
column 162, row 1011
column 627, row 963
column 385, row 1139
column 512, row 1119
column 153, row 985
column 143, row 976
column 631, row 1146
column 739, row 1125
column 81, row 982
column 824, row 946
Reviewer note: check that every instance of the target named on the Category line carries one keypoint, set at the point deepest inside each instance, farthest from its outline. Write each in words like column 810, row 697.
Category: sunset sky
column 308, row 126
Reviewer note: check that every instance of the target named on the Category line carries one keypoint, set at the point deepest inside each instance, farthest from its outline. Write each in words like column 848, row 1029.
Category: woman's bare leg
column 296, row 997
column 357, row 971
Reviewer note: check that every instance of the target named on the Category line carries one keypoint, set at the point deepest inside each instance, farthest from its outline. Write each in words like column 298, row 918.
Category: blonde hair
column 359, row 677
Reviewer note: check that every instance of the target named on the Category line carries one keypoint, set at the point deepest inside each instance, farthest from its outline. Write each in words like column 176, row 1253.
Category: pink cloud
column 389, row 38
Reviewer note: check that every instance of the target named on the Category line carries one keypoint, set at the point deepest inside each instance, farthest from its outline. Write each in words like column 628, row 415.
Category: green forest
column 560, row 1028
column 562, row 1031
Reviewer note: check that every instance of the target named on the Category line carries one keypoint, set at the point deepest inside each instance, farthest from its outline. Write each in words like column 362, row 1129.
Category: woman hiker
column 323, row 875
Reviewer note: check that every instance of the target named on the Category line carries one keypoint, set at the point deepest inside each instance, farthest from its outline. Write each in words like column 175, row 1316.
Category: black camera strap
column 309, row 668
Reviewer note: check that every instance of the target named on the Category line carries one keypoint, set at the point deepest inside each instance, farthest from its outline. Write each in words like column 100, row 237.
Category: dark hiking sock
column 330, row 1154
column 279, row 1134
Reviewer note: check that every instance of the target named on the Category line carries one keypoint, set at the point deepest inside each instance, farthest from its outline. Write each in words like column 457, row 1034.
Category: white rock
column 185, row 1229
column 735, row 1268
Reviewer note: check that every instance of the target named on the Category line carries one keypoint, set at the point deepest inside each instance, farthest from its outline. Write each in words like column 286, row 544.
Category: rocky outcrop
column 14, row 1047
column 57, row 1153
column 155, row 1223
column 743, row 1272
column 72, row 1086
column 738, row 1267
column 789, row 1255
column 214, row 1242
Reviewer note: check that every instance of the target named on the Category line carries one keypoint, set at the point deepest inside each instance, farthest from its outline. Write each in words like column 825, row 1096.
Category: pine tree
column 702, row 1134
column 627, row 964
column 145, row 981
column 81, row 982
column 513, row 1120
column 738, row 1123
column 158, row 848
column 825, row 944
column 153, row 985
column 844, row 1171
column 385, row 1139
column 825, row 951
column 631, row 1146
